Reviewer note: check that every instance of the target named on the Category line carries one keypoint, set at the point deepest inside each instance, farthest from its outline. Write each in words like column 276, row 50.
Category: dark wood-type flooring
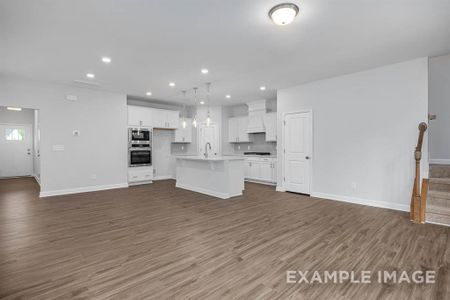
column 159, row 242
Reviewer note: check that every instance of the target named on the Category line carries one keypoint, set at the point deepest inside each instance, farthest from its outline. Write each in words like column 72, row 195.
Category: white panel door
column 297, row 152
column 16, row 156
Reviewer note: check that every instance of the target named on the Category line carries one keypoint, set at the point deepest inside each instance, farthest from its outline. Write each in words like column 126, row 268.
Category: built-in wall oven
column 139, row 147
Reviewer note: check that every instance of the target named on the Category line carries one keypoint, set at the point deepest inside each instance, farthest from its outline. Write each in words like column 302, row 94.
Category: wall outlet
column 94, row 176
column 182, row 147
column 248, row 147
column 239, row 147
column 354, row 186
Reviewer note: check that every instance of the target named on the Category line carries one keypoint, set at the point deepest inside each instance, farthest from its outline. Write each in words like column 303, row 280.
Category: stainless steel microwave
column 139, row 135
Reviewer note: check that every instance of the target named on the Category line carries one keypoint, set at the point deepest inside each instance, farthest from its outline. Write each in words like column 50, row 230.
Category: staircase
column 438, row 202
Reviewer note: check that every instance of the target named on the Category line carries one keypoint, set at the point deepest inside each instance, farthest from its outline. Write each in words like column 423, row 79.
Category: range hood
column 256, row 112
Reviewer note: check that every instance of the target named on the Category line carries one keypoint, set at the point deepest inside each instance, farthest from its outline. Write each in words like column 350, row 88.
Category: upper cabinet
column 237, row 130
column 141, row 116
column 168, row 119
column 270, row 124
column 184, row 135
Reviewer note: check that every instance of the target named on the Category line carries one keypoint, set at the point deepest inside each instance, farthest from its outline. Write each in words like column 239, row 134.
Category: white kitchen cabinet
column 233, row 130
column 166, row 119
column 140, row 175
column 270, row 124
column 139, row 116
column 183, row 135
column 243, row 136
column 237, row 130
column 173, row 119
column 265, row 171
column 260, row 169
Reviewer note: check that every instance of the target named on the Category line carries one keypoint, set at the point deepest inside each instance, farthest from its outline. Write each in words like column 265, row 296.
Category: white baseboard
column 261, row 182
column 368, row 202
column 163, row 177
column 37, row 179
column 280, row 188
column 206, row 191
column 83, row 190
column 436, row 223
column 439, row 161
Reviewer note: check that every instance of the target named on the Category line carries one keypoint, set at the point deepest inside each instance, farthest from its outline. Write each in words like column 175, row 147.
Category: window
column 14, row 134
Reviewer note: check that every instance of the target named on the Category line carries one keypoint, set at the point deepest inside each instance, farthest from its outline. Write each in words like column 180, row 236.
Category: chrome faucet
column 206, row 149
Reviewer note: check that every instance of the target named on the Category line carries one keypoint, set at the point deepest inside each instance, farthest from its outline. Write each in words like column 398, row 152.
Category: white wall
column 162, row 160
column 439, row 130
column 97, row 158
column 25, row 116
column 365, row 130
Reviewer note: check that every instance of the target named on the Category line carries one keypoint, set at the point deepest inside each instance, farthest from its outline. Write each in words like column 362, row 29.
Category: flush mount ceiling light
column 148, row 93
column 283, row 14
column 106, row 60
column 262, row 88
column 14, row 108
column 228, row 96
column 90, row 75
column 202, row 102
column 171, row 84
column 204, row 71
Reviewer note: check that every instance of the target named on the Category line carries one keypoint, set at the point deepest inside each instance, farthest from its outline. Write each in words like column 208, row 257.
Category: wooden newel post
column 415, row 207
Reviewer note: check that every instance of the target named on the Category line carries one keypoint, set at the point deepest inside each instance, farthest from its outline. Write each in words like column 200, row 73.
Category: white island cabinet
column 218, row 176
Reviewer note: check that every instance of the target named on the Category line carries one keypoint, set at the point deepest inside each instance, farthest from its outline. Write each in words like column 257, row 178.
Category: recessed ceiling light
column 14, row 108
column 205, row 71
column 106, row 59
column 228, row 96
column 148, row 93
column 90, row 75
column 283, row 14
column 202, row 102
column 172, row 84
column 262, row 88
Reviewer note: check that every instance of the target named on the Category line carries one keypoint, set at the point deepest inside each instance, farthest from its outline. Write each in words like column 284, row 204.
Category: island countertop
column 209, row 158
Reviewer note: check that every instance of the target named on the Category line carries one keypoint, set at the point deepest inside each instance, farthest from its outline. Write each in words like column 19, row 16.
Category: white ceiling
column 154, row 42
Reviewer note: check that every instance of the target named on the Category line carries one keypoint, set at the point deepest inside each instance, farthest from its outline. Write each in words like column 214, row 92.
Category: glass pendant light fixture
column 208, row 117
column 194, row 120
column 183, row 123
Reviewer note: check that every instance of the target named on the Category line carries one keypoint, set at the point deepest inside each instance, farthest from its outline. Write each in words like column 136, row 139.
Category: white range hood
column 256, row 112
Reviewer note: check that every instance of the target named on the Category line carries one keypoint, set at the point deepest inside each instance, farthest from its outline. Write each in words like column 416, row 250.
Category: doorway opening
column 19, row 143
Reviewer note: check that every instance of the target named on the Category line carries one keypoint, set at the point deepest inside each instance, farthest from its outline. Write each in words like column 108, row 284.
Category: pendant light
column 183, row 123
column 194, row 121
column 208, row 117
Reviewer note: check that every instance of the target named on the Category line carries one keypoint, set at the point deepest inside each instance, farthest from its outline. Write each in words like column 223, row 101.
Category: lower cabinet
column 261, row 169
column 140, row 175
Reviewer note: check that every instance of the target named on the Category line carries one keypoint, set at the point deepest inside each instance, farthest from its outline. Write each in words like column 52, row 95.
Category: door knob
column 306, row 157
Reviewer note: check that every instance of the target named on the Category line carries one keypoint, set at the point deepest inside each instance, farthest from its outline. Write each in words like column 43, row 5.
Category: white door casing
column 297, row 151
column 16, row 150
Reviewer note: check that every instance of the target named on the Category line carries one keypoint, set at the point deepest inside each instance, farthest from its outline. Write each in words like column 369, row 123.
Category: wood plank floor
column 159, row 242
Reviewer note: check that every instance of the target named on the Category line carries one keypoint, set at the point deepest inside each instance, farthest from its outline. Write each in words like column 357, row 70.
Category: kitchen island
column 218, row 176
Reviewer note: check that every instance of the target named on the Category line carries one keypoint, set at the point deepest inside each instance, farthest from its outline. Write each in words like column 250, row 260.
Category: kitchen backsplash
column 259, row 144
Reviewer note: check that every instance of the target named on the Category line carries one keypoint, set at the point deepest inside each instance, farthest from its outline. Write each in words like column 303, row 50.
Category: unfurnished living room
column 224, row 149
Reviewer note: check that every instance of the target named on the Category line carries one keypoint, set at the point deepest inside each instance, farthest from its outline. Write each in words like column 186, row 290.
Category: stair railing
column 418, row 199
